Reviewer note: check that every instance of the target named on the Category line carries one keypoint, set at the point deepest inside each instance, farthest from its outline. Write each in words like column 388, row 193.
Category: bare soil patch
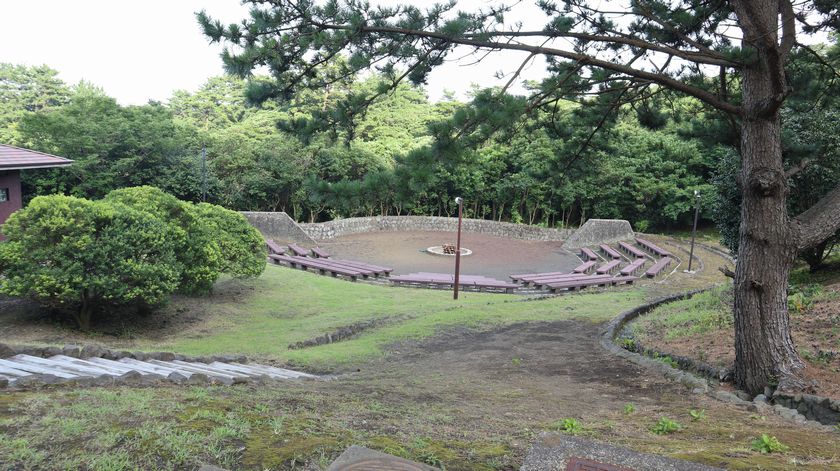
column 492, row 256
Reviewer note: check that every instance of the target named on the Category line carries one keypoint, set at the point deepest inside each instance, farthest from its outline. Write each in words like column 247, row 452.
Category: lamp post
column 460, row 202
column 694, row 230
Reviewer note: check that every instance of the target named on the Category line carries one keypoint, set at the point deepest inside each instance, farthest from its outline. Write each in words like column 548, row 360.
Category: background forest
column 315, row 159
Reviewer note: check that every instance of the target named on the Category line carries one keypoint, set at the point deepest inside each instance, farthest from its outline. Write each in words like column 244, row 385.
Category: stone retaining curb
column 810, row 407
column 610, row 331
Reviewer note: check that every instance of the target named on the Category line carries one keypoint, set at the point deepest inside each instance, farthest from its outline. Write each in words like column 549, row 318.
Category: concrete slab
column 552, row 452
column 357, row 458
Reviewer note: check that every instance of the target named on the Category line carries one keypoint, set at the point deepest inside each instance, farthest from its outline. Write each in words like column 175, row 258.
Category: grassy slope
column 287, row 306
column 253, row 427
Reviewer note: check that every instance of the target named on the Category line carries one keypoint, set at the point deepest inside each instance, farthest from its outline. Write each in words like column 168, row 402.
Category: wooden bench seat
column 548, row 281
column 298, row 250
column 322, row 267
column 443, row 279
column 653, row 248
column 318, row 252
column 610, row 252
column 608, row 267
column 658, row 267
column 364, row 266
column 528, row 276
column 588, row 254
column 585, row 267
column 633, row 267
column 353, row 265
column 631, row 250
column 274, row 247
column 575, row 285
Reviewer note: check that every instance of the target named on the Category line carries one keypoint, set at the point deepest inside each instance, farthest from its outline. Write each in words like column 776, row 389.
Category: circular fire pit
column 447, row 251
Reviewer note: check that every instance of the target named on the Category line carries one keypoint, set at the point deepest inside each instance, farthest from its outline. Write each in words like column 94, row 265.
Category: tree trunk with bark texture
column 764, row 350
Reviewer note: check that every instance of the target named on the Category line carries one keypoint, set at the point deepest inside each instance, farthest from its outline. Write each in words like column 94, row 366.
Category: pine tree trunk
column 764, row 350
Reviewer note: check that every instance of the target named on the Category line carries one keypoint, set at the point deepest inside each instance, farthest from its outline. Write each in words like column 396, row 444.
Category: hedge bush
column 132, row 249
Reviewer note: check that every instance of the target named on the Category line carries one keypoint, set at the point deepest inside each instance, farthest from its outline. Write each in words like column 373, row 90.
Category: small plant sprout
column 516, row 361
column 666, row 426
column 768, row 444
column 629, row 408
column 697, row 415
column 570, row 426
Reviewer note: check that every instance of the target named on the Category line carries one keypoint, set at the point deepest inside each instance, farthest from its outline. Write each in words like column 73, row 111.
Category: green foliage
column 86, row 256
column 242, row 246
column 112, row 146
column 629, row 409
column 199, row 256
column 132, row 249
column 24, row 91
column 568, row 425
column 767, row 444
column 666, row 426
column 697, row 415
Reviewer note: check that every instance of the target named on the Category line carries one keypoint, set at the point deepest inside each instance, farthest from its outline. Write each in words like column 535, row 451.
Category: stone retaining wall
column 279, row 227
column 599, row 231
column 341, row 227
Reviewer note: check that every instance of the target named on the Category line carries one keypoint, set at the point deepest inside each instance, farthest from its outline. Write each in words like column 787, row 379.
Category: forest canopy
column 270, row 157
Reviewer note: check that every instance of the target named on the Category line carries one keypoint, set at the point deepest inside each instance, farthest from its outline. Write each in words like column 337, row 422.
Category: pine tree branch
column 659, row 78
column 819, row 222
column 693, row 56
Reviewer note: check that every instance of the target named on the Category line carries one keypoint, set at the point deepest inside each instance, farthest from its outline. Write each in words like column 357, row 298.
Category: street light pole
column 460, row 203
column 694, row 230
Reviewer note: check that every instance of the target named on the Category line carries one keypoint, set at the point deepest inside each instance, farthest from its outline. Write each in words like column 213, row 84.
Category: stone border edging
column 610, row 331
column 806, row 408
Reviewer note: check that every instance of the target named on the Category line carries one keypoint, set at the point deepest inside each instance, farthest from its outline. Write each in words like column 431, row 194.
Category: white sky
column 144, row 50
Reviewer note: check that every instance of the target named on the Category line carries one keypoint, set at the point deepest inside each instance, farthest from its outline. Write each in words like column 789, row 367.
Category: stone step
column 106, row 369
column 67, row 367
column 122, row 368
column 62, row 365
column 195, row 368
column 146, row 367
column 248, row 370
column 36, row 369
column 12, row 372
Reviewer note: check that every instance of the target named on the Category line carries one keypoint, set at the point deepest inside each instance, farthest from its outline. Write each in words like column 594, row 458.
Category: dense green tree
column 626, row 54
column 25, row 90
column 87, row 257
column 112, row 146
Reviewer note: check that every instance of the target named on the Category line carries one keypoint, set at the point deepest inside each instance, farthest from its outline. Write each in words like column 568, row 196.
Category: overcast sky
column 143, row 50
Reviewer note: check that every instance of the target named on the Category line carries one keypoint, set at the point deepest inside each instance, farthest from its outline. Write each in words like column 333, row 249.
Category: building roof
column 15, row 158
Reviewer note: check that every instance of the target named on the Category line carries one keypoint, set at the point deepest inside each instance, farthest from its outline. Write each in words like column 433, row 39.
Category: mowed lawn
column 262, row 317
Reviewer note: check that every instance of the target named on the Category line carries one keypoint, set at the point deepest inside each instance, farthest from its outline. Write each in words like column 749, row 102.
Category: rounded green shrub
column 84, row 256
column 242, row 246
column 134, row 248
column 199, row 256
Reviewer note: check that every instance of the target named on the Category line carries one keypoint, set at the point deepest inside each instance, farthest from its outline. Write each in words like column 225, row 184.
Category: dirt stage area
column 494, row 257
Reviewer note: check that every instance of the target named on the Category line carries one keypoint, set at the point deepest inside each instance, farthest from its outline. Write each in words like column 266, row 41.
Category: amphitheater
column 506, row 257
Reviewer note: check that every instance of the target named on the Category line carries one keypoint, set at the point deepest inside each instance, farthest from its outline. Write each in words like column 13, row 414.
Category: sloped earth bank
column 703, row 331
column 463, row 399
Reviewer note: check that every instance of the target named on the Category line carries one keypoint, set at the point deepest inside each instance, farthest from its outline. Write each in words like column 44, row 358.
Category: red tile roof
column 15, row 158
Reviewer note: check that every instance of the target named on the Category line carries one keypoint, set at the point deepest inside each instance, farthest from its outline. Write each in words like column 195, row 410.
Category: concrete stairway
column 65, row 368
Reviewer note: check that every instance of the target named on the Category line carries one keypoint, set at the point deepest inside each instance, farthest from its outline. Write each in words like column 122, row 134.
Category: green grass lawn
column 285, row 306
